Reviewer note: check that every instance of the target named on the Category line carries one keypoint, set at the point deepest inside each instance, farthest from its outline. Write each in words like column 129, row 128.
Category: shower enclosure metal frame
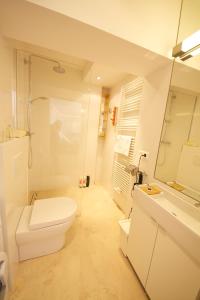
column 57, row 69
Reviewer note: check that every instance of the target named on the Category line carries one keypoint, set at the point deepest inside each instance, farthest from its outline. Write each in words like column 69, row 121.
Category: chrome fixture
column 59, row 69
column 197, row 204
column 37, row 98
column 188, row 48
column 34, row 197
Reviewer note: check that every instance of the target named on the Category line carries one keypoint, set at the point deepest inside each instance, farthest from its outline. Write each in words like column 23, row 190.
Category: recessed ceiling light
column 98, row 77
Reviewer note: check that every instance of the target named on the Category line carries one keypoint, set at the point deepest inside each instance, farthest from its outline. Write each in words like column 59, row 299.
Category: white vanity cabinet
column 167, row 261
column 141, row 242
column 173, row 275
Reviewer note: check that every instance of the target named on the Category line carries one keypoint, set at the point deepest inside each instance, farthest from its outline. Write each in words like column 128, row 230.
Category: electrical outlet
column 142, row 152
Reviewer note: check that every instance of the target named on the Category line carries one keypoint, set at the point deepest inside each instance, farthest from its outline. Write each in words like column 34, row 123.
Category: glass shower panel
column 22, row 89
column 194, row 137
column 58, row 143
column 179, row 112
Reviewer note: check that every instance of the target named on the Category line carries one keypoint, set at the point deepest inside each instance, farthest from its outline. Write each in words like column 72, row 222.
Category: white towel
column 122, row 144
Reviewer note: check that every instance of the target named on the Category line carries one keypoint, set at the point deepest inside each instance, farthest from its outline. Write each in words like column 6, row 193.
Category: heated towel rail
column 127, row 124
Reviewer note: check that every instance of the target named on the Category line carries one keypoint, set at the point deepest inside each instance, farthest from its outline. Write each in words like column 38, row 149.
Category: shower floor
column 91, row 266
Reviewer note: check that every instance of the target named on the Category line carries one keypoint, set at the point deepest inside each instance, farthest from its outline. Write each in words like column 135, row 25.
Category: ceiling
column 93, row 73
column 102, row 75
column 150, row 24
column 67, row 60
column 32, row 24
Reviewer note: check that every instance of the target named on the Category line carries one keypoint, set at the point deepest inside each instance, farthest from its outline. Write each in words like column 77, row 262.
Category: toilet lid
column 52, row 211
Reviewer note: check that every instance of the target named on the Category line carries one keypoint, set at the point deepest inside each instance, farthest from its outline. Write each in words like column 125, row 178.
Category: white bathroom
column 99, row 150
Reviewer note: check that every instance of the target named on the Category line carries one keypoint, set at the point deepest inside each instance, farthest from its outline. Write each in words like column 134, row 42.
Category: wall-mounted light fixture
column 188, row 48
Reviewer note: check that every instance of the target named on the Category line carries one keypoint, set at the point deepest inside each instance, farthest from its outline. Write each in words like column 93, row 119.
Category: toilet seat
column 43, row 226
column 51, row 211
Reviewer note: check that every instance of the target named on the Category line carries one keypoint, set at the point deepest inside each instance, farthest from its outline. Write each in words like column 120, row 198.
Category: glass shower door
column 58, row 143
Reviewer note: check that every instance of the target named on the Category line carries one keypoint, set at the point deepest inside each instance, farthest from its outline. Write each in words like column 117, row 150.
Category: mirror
column 178, row 160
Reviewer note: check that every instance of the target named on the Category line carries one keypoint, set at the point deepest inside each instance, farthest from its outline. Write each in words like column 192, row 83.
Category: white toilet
column 42, row 226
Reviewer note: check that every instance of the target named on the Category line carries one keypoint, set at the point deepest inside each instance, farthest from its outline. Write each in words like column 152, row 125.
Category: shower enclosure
column 177, row 131
column 57, row 142
column 53, row 105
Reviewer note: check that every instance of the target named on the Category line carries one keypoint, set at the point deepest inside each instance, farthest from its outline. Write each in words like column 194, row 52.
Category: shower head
column 37, row 98
column 59, row 69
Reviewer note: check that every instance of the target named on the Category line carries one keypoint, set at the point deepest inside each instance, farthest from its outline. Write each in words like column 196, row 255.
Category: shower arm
column 42, row 57
column 28, row 61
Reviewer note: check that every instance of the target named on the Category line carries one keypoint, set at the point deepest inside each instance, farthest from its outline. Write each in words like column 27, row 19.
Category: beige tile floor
column 90, row 267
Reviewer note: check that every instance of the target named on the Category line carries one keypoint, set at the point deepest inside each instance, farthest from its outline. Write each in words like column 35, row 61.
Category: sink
column 179, row 219
column 187, row 215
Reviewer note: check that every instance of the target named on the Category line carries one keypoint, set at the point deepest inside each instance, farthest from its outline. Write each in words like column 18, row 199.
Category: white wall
column 106, row 144
column 6, row 75
column 13, row 159
column 156, row 87
column 150, row 24
column 13, row 193
column 152, row 110
column 62, row 153
column 189, row 22
column 22, row 21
